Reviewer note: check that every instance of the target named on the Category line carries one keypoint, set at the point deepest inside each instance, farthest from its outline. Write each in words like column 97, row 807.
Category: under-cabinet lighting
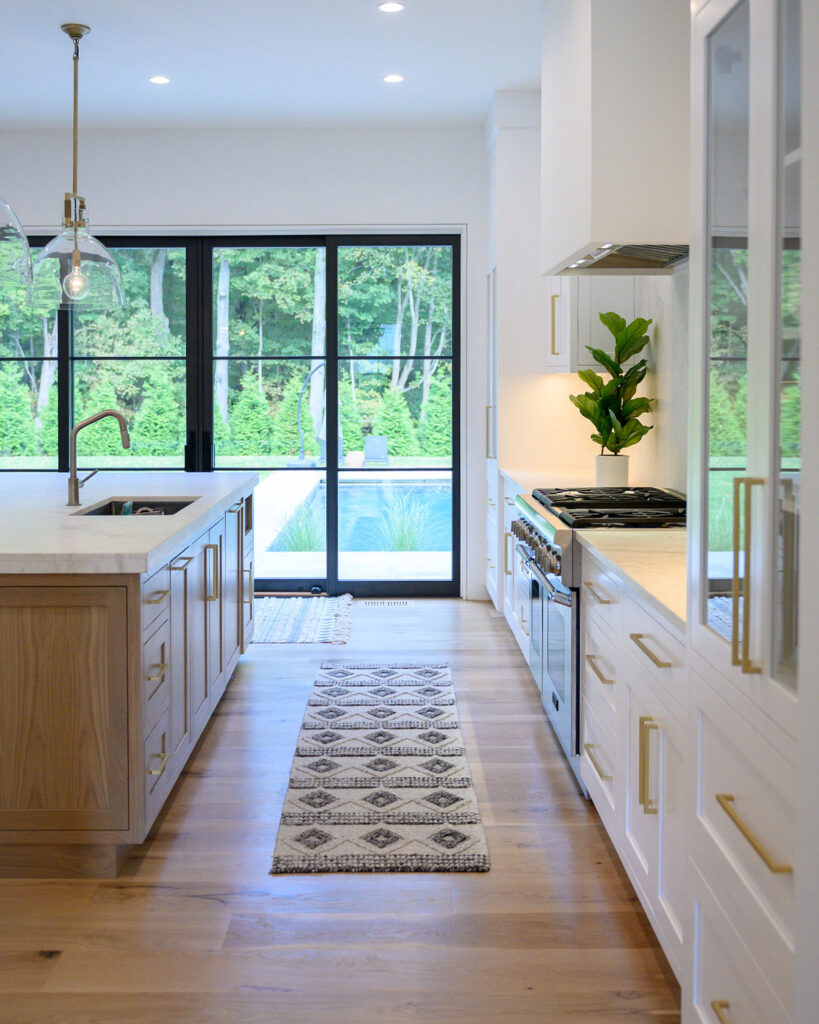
column 159, row 79
column 390, row 7
column 393, row 79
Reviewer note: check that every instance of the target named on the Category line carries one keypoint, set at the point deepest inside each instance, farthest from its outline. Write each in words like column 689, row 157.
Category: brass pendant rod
column 76, row 105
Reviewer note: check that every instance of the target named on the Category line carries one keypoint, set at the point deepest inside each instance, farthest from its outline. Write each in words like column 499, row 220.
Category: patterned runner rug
column 380, row 779
column 302, row 620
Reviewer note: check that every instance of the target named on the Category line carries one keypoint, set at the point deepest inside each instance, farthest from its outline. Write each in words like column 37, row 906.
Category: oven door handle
column 552, row 593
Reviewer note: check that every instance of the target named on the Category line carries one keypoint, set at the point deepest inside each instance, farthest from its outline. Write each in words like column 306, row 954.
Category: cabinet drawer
column 156, row 675
column 602, row 596
column 727, row 981
column 157, row 767
column 156, row 590
column 600, row 760
column 600, row 668
column 658, row 653
column 747, row 835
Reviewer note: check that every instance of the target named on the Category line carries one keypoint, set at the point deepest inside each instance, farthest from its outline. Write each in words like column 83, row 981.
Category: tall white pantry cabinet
column 747, row 564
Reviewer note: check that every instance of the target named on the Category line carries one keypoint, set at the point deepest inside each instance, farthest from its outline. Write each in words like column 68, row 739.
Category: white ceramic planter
column 612, row 470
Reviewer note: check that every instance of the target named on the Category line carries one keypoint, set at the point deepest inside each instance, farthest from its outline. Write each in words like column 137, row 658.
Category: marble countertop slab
column 528, row 478
column 652, row 561
column 39, row 533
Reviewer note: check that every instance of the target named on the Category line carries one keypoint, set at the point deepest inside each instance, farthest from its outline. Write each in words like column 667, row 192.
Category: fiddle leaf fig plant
column 611, row 405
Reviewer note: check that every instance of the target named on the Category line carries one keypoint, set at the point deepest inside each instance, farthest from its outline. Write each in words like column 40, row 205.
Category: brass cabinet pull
column 589, row 747
column 160, row 675
column 638, row 638
column 726, row 802
column 595, row 595
column 523, row 625
column 718, row 1005
column 163, row 760
column 741, row 585
column 490, row 563
column 509, row 501
column 555, row 300
column 590, row 658
column 215, row 549
column 249, row 599
column 185, row 560
column 490, row 503
column 506, row 538
column 647, row 724
column 158, row 598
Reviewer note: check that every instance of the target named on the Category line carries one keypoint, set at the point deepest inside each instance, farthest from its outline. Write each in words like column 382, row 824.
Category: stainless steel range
column 550, row 553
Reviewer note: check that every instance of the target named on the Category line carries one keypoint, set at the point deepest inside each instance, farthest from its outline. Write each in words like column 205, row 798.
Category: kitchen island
column 118, row 636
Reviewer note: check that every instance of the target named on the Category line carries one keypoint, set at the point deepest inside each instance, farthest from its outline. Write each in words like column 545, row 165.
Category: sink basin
column 138, row 507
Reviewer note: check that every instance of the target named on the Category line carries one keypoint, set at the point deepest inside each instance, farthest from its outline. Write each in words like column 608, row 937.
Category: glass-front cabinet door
column 744, row 483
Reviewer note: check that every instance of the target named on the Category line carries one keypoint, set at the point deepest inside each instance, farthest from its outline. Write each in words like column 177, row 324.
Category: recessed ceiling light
column 159, row 79
column 391, row 7
column 393, row 79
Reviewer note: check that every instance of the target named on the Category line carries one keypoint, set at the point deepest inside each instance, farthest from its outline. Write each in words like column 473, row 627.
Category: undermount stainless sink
column 138, row 507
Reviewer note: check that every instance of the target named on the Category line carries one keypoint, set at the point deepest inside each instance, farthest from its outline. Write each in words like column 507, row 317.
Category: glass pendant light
column 75, row 271
column 15, row 255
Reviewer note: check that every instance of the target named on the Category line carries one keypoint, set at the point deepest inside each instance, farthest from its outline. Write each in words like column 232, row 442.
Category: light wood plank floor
column 196, row 930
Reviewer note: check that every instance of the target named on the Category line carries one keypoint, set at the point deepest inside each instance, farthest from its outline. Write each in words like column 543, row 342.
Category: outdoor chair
column 375, row 450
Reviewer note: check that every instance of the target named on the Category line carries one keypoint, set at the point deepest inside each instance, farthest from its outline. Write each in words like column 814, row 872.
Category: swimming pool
column 382, row 515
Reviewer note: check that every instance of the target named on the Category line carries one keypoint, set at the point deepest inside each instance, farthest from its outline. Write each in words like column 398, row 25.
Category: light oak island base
column 195, row 929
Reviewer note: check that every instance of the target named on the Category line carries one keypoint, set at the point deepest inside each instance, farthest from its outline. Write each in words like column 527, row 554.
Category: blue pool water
column 384, row 515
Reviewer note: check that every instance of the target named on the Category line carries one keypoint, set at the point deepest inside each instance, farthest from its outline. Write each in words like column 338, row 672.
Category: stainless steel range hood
column 615, row 113
column 630, row 259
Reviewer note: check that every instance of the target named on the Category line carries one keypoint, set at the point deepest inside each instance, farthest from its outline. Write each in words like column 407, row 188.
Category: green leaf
column 614, row 322
column 588, row 407
column 605, row 360
column 635, row 407
column 594, row 380
column 636, row 436
column 633, row 339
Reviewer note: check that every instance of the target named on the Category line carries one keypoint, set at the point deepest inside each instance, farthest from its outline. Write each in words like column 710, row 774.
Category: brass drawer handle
column 249, row 599
column 215, row 549
column 490, row 563
column 647, row 724
column 726, row 802
column 509, row 501
column 162, row 669
column 589, row 747
column 718, row 1005
column 163, row 760
column 506, row 569
column 595, row 595
column 590, row 658
column 523, row 625
column 638, row 638
column 185, row 560
column 158, row 598
column 555, row 300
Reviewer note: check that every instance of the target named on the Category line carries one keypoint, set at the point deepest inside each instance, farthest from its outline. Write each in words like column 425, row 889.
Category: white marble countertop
column 528, row 478
column 39, row 533
column 653, row 561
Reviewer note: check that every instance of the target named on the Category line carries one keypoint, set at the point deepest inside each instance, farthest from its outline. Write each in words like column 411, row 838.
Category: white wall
column 278, row 181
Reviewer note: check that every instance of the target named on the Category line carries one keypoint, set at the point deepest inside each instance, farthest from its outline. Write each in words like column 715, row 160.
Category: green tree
column 726, row 433
column 791, row 421
column 394, row 420
column 350, row 415
column 158, row 425
column 16, row 416
column 285, row 425
column 436, row 419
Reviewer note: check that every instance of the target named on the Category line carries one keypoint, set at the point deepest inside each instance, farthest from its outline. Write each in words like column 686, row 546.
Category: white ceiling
column 272, row 62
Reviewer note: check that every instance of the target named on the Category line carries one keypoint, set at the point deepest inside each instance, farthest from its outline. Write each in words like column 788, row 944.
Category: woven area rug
column 302, row 620
column 380, row 780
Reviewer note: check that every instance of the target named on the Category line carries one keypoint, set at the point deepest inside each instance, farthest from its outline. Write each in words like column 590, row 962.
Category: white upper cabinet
column 614, row 140
column 745, row 460
column 575, row 305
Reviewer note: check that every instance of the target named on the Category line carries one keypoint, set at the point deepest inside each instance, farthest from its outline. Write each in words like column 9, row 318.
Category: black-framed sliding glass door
column 334, row 373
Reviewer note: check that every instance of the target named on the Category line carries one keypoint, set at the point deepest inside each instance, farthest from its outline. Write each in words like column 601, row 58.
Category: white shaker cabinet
column 575, row 305
column 743, row 506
